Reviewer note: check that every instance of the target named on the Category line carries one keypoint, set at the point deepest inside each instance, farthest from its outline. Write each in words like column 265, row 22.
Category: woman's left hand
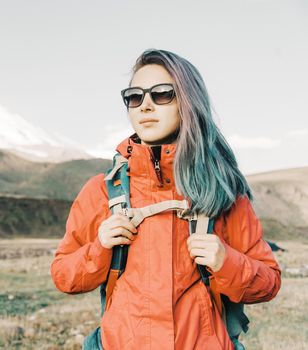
column 206, row 249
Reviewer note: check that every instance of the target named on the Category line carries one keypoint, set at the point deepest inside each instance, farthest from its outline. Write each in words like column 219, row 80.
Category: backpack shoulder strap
column 232, row 313
column 201, row 224
column 117, row 183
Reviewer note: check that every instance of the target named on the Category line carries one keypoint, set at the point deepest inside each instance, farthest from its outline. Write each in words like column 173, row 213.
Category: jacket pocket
column 117, row 319
column 206, row 308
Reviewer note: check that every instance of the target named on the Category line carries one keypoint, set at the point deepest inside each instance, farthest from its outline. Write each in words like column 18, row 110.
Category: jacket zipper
column 155, row 157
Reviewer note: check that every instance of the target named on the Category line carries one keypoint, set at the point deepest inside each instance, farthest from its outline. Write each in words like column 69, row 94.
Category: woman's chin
column 150, row 136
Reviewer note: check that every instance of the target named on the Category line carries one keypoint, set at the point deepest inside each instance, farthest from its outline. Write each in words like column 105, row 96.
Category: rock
column 74, row 331
column 29, row 332
column 72, row 344
column 81, row 329
column 79, row 338
column 297, row 271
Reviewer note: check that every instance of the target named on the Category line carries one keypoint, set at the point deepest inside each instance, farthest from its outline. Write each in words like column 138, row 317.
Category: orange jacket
column 160, row 302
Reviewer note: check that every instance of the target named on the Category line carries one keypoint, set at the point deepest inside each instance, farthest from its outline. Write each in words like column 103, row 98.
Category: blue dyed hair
column 205, row 169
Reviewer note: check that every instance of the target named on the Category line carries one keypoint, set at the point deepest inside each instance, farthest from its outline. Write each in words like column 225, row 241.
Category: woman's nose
column 147, row 102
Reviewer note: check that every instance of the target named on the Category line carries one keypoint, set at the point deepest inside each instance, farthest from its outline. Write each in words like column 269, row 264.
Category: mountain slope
column 20, row 177
column 283, row 195
column 33, row 143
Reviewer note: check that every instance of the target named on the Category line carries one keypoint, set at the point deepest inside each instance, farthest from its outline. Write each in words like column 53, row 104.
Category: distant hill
column 281, row 201
column 60, row 181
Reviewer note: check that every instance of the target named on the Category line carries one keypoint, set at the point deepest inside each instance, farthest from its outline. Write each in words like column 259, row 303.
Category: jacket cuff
column 233, row 261
column 100, row 256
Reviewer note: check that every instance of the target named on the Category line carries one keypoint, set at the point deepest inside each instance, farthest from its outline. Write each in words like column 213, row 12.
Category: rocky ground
column 34, row 315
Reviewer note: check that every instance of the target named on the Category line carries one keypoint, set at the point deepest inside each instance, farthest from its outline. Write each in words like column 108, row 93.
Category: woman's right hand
column 116, row 230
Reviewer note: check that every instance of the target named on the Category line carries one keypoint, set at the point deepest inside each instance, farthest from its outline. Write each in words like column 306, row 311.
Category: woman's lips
column 146, row 120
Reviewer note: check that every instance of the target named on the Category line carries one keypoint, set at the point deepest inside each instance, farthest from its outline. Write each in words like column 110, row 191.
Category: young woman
column 177, row 152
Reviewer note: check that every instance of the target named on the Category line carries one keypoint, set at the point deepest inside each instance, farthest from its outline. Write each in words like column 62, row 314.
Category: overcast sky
column 63, row 64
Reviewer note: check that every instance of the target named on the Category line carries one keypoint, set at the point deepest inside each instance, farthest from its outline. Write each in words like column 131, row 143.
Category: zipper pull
column 158, row 172
column 155, row 155
column 156, row 165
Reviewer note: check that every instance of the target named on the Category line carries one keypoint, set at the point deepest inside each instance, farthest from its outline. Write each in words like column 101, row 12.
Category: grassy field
column 34, row 315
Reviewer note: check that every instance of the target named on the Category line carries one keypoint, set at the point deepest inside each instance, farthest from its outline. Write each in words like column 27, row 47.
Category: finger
column 128, row 234
column 120, row 240
column 197, row 252
column 203, row 253
column 130, row 227
column 121, row 231
column 211, row 237
column 210, row 246
column 126, row 222
column 202, row 261
column 207, row 238
column 204, row 244
column 196, row 237
column 208, row 259
column 203, row 236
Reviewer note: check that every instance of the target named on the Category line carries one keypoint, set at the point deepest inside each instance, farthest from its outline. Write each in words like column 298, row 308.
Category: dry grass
column 34, row 315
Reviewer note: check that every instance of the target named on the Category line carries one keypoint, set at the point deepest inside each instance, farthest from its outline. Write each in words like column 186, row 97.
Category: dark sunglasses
column 160, row 94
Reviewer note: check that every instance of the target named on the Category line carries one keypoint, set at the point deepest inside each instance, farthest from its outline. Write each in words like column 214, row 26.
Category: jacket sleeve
column 250, row 273
column 81, row 263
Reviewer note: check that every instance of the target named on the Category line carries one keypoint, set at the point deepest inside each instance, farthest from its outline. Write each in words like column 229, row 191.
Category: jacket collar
column 141, row 163
column 132, row 145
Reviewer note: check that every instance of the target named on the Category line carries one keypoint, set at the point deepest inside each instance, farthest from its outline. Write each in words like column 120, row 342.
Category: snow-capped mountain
column 22, row 138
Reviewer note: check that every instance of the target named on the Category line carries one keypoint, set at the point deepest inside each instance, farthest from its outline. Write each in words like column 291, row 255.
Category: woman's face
column 167, row 115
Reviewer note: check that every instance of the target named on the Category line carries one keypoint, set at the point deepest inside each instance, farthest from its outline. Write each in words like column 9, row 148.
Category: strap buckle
column 186, row 215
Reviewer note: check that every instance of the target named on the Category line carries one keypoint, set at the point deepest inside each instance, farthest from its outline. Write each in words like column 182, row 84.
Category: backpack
column 118, row 187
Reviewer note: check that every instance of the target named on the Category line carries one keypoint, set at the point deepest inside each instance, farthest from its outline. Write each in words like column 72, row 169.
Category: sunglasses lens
column 133, row 97
column 162, row 94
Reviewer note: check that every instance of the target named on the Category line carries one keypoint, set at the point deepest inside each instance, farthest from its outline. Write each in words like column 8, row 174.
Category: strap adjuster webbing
column 119, row 162
column 139, row 214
